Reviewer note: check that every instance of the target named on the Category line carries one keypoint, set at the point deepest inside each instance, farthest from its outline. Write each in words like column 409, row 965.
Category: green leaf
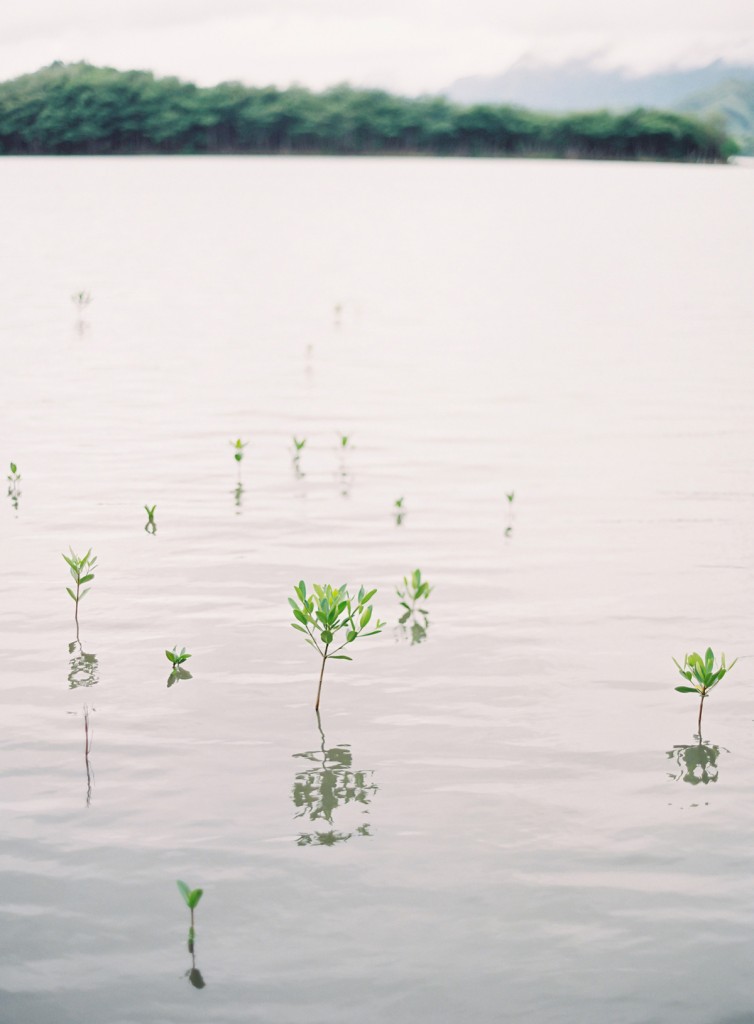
column 339, row 657
column 326, row 636
column 85, row 579
column 194, row 896
column 300, row 616
column 70, row 593
column 13, row 467
column 351, row 636
column 172, row 658
column 184, row 891
column 365, row 617
column 369, row 596
column 302, row 588
column 68, row 560
column 299, row 628
column 686, row 689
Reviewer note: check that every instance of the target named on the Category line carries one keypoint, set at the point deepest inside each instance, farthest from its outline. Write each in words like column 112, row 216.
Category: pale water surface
column 495, row 824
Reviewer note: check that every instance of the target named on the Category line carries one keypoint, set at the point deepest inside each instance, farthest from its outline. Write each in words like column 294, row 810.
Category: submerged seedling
column 329, row 612
column 701, row 672
column 238, row 447
column 151, row 525
column 82, row 571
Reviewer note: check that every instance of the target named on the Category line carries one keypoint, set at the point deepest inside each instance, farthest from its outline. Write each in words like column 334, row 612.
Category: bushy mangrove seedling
column 702, row 673
column 238, row 447
column 176, row 659
column 414, row 589
column 151, row 525
column 82, row 571
column 331, row 612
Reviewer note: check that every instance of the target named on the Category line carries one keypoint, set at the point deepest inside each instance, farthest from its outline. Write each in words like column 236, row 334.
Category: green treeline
column 81, row 109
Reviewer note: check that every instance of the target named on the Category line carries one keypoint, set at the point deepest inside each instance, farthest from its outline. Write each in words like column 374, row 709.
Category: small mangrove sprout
column 414, row 589
column 151, row 525
column 510, row 495
column 399, row 511
column 81, row 300
column 298, row 447
column 82, row 571
column 176, row 659
column 701, row 672
column 13, row 490
column 238, row 447
column 191, row 898
column 328, row 612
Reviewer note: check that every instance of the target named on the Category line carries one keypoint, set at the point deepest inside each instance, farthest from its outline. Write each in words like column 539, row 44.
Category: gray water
column 504, row 821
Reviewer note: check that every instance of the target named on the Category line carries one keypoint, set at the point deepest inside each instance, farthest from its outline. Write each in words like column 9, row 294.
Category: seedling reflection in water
column 701, row 672
column 151, row 526
column 399, row 511
column 330, row 611
column 176, row 659
column 414, row 589
column 82, row 571
column 697, row 762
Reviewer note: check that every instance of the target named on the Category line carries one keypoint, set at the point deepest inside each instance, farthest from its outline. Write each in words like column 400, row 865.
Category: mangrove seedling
column 81, row 300
column 299, row 445
column 82, row 571
column 176, row 659
column 399, row 511
column 510, row 495
column 703, row 675
column 191, row 898
column 13, row 492
column 151, row 525
column 329, row 613
column 238, row 447
column 415, row 589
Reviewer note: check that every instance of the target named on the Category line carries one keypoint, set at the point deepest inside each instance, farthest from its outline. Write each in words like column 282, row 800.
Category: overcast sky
column 404, row 45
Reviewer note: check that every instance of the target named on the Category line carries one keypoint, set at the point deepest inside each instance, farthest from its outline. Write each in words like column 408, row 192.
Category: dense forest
column 81, row 109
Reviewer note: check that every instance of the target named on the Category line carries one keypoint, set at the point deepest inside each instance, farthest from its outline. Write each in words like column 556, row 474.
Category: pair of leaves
column 150, row 511
column 190, row 896
column 298, row 445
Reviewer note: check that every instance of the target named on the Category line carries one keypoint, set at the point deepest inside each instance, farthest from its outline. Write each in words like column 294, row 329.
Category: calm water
column 502, row 822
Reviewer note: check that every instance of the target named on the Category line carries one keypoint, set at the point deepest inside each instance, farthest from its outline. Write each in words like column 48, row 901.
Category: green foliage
column 330, row 613
column 191, row 897
column 299, row 445
column 344, row 440
column 14, row 473
column 78, row 108
column 399, row 503
column 82, row 571
column 701, row 672
column 176, row 657
column 414, row 589
column 238, row 446
column 510, row 495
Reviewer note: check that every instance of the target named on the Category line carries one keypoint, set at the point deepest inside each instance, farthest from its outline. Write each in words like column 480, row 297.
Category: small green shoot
column 399, row 511
column 327, row 612
column 82, row 571
column 176, row 657
column 191, row 898
column 299, row 445
column 344, row 439
column 238, row 447
column 151, row 525
column 81, row 300
column 510, row 495
column 13, row 492
column 703, row 675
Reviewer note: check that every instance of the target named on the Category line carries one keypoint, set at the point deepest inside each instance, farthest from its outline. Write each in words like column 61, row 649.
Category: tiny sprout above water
column 344, row 440
column 151, row 525
column 510, row 495
column 82, row 571
column 81, row 300
column 704, row 676
column 327, row 612
column 299, row 445
column 176, row 657
column 238, row 446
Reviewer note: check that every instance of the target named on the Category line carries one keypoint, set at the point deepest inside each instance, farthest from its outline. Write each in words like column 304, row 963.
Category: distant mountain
column 578, row 85
column 733, row 100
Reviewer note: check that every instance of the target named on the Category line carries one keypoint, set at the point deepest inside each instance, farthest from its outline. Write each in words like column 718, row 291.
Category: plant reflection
column 193, row 974
column 319, row 791
column 411, row 628
column 178, row 673
column 238, row 495
column 14, row 492
column 87, row 752
column 84, row 668
column 697, row 762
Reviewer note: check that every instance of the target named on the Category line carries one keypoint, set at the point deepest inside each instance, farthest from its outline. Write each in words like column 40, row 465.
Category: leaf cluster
column 176, row 657
column 701, row 672
column 82, row 571
column 328, row 611
column 191, row 897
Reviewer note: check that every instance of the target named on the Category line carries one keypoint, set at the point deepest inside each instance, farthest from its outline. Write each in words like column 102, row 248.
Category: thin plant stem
column 321, row 674
column 699, row 722
column 76, row 613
